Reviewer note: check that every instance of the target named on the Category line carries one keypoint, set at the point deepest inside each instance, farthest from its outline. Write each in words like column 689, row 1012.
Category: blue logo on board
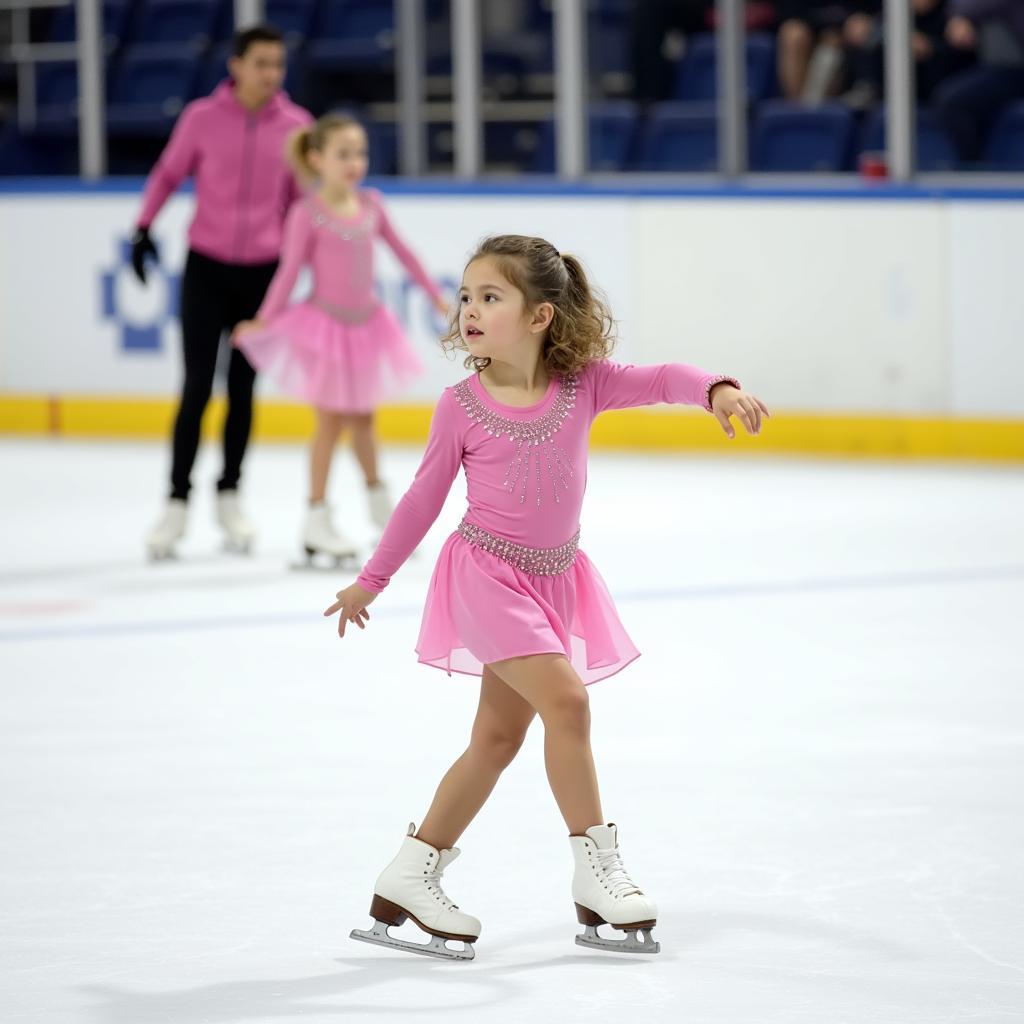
column 140, row 311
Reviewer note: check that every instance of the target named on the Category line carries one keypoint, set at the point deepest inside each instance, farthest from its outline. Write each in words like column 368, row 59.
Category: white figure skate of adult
column 321, row 537
column 605, row 894
column 410, row 888
column 238, row 531
column 168, row 531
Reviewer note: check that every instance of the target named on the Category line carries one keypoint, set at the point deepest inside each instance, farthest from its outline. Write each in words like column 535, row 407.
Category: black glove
column 142, row 246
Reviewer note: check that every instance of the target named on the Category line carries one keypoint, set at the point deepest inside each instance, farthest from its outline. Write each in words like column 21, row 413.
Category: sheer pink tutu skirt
column 334, row 365
column 480, row 610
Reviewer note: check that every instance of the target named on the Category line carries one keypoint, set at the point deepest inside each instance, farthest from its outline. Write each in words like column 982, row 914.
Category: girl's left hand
column 352, row 602
column 244, row 327
column 727, row 401
column 442, row 305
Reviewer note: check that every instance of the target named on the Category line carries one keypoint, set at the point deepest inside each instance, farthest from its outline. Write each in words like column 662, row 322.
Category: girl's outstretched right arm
column 296, row 249
column 422, row 503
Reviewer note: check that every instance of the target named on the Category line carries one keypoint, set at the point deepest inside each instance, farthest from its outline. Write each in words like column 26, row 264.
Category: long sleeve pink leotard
column 340, row 252
column 526, row 468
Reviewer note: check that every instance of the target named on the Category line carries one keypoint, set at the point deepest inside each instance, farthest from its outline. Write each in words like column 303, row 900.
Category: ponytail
column 296, row 152
column 582, row 328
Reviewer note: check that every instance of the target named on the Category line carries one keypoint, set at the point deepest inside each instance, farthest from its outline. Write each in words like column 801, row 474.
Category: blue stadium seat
column 609, row 38
column 613, row 127
column 383, row 142
column 63, row 27
column 293, row 17
column 680, row 137
column 934, row 151
column 213, row 70
column 56, row 99
column 494, row 63
column 149, row 88
column 160, row 22
column 788, row 137
column 33, row 155
column 696, row 75
column 1006, row 141
column 352, row 35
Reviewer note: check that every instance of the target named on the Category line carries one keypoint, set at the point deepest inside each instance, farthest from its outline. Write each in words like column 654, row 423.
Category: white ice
column 816, row 766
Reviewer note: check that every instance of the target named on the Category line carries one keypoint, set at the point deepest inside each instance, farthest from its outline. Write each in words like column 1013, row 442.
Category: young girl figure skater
column 513, row 598
column 341, row 349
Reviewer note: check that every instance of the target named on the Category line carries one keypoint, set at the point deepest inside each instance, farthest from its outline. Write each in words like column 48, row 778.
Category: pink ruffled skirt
column 480, row 610
column 333, row 365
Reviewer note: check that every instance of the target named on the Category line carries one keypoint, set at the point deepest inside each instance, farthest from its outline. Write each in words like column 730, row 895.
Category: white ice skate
column 381, row 506
column 238, row 531
column 320, row 537
column 410, row 887
column 605, row 894
column 166, row 534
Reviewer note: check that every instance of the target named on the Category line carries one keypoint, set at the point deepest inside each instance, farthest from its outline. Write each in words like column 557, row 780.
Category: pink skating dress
column 511, row 580
column 341, row 349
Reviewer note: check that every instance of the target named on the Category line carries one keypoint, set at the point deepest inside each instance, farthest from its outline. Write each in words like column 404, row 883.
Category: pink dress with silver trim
column 511, row 581
column 342, row 349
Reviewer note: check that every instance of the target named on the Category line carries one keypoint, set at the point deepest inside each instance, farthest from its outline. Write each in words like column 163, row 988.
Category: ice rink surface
column 816, row 766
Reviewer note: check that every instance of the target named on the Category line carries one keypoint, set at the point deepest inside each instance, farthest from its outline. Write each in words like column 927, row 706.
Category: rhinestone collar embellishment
column 534, row 438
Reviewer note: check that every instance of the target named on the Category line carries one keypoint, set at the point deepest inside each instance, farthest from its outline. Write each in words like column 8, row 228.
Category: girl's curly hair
column 582, row 329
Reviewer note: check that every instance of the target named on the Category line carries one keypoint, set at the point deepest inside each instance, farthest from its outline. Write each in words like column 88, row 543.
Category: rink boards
column 882, row 323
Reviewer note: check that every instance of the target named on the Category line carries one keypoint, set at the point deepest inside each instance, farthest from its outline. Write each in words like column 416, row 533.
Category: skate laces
column 615, row 873
column 434, row 877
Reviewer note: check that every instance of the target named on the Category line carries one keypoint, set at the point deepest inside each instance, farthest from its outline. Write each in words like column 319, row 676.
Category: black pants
column 967, row 104
column 652, row 21
column 867, row 64
column 214, row 297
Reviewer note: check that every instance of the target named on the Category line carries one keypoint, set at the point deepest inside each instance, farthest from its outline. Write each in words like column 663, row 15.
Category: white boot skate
column 381, row 506
column 410, row 887
column 605, row 894
column 171, row 528
column 320, row 537
column 238, row 531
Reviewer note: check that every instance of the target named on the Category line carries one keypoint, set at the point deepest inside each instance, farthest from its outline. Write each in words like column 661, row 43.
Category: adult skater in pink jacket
column 232, row 143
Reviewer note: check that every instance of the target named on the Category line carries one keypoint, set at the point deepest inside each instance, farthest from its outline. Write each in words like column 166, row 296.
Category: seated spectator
column 935, row 59
column 659, row 31
column 967, row 103
column 810, row 47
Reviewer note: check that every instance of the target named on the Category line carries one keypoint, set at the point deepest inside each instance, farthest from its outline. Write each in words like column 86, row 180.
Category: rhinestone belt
column 533, row 561
column 352, row 317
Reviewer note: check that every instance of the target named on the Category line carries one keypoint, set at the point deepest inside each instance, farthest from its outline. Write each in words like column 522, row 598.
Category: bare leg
column 328, row 429
column 499, row 729
column 795, row 45
column 549, row 683
column 364, row 444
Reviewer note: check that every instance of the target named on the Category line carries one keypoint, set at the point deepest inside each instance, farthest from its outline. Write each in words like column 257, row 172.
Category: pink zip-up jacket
column 243, row 183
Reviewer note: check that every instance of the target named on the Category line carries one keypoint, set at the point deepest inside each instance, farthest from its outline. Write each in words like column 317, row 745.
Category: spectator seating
column 788, row 137
column 680, row 137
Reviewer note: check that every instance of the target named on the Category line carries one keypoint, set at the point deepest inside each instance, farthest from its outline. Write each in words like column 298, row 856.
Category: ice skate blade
column 238, row 547
column 632, row 943
column 156, row 555
column 327, row 562
column 437, row 947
